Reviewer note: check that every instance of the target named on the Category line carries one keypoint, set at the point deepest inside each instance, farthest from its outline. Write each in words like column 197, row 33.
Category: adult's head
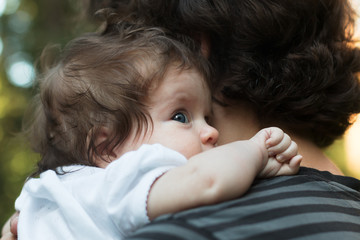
column 103, row 81
column 288, row 63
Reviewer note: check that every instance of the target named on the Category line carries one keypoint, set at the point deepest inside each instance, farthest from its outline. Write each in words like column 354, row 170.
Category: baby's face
column 180, row 108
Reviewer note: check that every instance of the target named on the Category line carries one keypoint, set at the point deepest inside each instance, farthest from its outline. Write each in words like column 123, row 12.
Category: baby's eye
column 180, row 117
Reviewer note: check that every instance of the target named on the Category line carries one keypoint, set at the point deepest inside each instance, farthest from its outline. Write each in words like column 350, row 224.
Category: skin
column 180, row 108
column 178, row 112
column 235, row 122
column 238, row 121
column 9, row 231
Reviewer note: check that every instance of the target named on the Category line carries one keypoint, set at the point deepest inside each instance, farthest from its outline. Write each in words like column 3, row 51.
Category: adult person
column 297, row 59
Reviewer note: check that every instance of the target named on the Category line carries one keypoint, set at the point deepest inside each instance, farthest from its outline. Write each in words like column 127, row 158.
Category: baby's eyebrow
column 176, row 99
column 183, row 97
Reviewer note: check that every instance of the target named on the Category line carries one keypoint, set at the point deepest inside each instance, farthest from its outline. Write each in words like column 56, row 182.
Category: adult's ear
column 103, row 153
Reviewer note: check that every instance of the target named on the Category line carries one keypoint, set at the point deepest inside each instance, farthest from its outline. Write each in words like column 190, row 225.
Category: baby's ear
column 104, row 151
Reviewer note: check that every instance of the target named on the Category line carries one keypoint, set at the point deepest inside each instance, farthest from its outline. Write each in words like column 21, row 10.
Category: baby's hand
column 283, row 157
column 9, row 231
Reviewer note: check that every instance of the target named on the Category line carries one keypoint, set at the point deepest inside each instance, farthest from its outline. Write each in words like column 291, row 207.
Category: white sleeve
column 143, row 166
column 92, row 202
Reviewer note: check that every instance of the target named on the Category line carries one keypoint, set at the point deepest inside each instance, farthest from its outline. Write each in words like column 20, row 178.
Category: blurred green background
column 26, row 27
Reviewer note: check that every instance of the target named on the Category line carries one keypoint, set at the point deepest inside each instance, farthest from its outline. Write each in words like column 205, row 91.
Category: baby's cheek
column 191, row 150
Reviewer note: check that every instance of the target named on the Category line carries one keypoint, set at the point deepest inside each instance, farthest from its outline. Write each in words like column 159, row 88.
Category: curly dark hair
column 294, row 62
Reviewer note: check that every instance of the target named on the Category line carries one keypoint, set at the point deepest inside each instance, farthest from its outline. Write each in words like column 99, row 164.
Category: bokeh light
column 19, row 22
column 20, row 70
column 10, row 6
column 2, row 6
column 1, row 45
column 26, row 27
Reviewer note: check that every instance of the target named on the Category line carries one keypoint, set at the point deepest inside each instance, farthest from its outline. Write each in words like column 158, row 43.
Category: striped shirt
column 310, row 205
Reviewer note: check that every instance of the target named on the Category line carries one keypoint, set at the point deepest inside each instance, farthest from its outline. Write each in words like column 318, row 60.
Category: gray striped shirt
column 310, row 205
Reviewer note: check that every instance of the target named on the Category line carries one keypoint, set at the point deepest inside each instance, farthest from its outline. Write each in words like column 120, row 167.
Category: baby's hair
column 102, row 80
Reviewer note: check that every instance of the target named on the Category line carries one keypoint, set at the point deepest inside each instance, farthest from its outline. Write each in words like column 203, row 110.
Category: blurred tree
column 26, row 27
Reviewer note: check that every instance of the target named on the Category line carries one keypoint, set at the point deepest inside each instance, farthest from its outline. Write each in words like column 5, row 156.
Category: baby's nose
column 209, row 135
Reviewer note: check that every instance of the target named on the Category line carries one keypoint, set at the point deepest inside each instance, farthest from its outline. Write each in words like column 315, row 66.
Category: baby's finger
column 288, row 153
column 276, row 136
column 295, row 161
column 281, row 146
column 292, row 167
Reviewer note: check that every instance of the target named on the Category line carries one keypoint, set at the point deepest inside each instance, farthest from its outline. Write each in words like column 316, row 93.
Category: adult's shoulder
column 311, row 205
column 343, row 181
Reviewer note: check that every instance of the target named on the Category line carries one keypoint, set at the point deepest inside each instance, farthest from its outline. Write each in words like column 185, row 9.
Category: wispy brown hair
column 102, row 80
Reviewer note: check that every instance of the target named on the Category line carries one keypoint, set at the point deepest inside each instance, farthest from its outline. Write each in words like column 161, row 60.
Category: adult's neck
column 240, row 122
column 314, row 157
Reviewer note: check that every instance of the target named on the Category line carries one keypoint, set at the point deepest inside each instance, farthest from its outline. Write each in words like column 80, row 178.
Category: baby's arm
column 224, row 172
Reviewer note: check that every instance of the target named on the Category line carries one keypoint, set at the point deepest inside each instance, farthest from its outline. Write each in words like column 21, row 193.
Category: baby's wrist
column 262, row 155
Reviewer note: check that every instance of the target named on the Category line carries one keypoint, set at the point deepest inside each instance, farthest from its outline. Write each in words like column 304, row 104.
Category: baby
column 122, row 124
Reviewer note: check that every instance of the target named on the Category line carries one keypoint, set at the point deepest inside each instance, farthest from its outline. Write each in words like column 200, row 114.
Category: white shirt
column 90, row 202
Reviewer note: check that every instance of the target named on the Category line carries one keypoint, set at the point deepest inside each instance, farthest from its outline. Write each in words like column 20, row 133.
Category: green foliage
column 26, row 27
